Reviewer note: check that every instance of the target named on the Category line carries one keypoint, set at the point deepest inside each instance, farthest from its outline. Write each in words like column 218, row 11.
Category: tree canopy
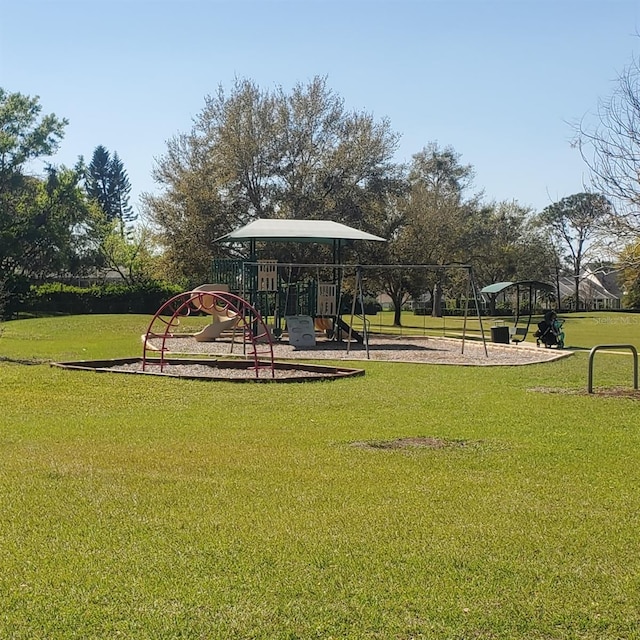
column 574, row 222
column 265, row 154
column 438, row 216
column 255, row 153
column 39, row 216
column 49, row 224
column 509, row 245
column 611, row 149
column 24, row 135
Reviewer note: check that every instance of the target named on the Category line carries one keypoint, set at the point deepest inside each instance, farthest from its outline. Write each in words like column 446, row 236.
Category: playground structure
column 228, row 312
column 283, row 291
column 307, row 298
column 298, row 295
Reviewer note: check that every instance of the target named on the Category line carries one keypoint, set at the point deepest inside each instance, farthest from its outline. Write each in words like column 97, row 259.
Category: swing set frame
column 281, row 289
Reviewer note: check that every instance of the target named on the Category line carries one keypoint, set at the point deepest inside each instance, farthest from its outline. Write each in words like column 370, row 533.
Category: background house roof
column 590, row 288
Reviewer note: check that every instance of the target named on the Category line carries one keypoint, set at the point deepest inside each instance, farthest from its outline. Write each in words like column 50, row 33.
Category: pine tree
column 99, row 181
column 120, row 189
column 108, row 184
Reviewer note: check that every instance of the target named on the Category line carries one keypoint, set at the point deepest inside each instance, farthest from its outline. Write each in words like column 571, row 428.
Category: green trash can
column 500, row 334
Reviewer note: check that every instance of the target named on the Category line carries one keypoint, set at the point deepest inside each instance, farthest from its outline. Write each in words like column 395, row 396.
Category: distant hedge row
column 112, row 298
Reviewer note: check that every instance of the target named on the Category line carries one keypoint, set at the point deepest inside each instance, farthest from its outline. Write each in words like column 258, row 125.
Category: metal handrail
column 600, row 347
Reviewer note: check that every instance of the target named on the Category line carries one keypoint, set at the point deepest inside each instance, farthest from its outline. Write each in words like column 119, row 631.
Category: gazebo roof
column 498, row 287
column 278, row 230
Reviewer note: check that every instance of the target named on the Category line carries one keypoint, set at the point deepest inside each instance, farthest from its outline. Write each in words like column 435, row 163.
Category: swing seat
column 517, row 334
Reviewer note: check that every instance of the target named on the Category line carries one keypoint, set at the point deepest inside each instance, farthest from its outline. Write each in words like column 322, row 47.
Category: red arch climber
column 167, row 318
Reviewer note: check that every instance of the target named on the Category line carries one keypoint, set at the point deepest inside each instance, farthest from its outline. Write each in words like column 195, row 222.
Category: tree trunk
column 492, row 304
column 577, row 291
column 397, row 298
column 436, row 311
column 397, row 315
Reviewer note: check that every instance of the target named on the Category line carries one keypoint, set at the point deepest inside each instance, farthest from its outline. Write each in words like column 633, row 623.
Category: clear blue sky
column 499, row 80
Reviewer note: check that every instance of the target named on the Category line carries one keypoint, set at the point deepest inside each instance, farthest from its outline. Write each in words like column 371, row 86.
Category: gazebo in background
column 524, row 293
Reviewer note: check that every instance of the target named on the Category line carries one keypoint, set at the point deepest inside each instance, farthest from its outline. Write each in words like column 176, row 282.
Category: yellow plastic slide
column 221, row 319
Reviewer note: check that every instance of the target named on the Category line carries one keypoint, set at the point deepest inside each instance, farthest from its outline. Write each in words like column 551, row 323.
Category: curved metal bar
column 600, row 347
column 252, row 323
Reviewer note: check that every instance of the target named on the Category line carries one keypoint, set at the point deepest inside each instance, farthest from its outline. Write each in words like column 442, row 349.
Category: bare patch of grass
column 25, row 361
column 415, row 442
column 612, row 392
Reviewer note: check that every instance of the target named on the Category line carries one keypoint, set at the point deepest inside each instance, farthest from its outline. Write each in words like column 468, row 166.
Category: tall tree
column 509, row 246
column 610, row 145
column 99, row 180
column 25, row 135
column 575, row 221
column 438, row 216
column 39, row 218
column 261, row 154
column 120, row 190
column 108, row 184
column 48, row 234
column 611, row 148
column 396, row 283
column 191, row 213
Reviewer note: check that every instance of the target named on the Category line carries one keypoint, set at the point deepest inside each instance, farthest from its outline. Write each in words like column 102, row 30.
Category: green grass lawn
column 142, row 507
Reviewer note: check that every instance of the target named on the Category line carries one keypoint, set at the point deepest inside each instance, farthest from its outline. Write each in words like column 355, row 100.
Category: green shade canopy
column 499, row 287
column 277, row 230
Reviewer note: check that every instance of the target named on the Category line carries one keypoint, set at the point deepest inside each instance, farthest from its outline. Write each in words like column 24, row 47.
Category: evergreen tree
column 120, row 189
column 98, row 180
column 108, row 184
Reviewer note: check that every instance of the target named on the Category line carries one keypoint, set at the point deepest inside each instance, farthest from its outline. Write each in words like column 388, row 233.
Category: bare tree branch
column 611, row 149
